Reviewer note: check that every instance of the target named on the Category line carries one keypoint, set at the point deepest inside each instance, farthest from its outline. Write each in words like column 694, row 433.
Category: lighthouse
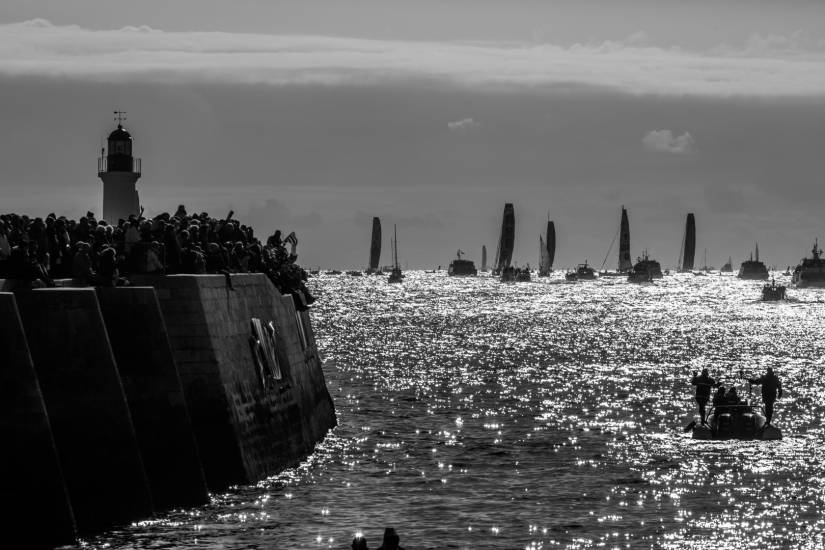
column 119, row 171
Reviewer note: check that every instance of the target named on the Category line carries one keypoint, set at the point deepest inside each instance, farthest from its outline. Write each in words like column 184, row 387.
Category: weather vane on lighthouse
column 120, row 117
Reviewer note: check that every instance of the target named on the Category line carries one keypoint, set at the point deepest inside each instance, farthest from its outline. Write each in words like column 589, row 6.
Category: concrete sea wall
column 120, row 402
column 31, row 483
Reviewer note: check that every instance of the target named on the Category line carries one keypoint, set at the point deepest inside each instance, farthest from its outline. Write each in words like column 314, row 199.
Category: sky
column 315, row 116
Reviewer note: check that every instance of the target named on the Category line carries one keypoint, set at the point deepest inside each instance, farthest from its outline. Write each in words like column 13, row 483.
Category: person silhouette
column 771, row 390
column 359, row 543
column 391, row 540
column 703, row 385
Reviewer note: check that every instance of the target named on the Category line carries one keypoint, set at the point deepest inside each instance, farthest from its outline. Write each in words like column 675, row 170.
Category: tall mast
column 395, row 237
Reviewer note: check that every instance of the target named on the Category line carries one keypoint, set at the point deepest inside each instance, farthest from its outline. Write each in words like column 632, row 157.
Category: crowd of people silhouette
column 37, row 251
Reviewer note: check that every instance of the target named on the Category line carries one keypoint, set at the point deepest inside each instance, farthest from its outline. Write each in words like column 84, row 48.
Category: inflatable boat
column 742, row 421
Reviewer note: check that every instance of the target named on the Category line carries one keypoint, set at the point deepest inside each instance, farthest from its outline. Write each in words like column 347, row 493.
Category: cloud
column 761, row 68
column 463, row 126
column 664, row 141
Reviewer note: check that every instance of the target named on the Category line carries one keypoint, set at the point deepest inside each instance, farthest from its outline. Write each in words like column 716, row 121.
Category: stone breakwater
column 116, row 403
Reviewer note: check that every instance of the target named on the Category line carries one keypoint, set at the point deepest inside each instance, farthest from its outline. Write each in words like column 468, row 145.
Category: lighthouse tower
column 119, row 171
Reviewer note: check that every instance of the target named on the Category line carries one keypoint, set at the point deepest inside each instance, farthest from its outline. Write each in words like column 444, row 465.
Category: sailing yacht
column 506, row 241
column 547, row 250
column 395, row 275
column 624, row 263
column 375, row 247
column 688, row 250
column 483, row 257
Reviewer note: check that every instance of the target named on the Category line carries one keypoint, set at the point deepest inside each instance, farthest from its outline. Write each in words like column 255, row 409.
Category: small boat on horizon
column 773, row 292
column 810, row 271
column 752, row 269
column 728, row 267
column 583, row 272
column 462, row 268
column 645, row 270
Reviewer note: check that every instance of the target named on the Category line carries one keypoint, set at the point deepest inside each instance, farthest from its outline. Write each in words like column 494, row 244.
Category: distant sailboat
column 728, row 267
column 625, row 264
column 753, row 268
column 506, row 241
column 395, row 275
column 547, row 250
column 483, row 258
column 375, row 246
column 689, row 248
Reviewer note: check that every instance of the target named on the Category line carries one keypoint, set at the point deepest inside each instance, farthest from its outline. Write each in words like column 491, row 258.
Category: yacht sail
column 689, row 250
column 375, row 245
column 504, row 255
column 483, row 258
column 550, row 242
column 544, row 257
column 625, row 263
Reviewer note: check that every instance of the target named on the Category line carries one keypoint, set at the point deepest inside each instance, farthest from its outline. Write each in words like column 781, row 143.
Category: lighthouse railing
column 103, row 165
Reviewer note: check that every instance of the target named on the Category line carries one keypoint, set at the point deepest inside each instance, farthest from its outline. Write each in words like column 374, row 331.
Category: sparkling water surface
column 475, row 414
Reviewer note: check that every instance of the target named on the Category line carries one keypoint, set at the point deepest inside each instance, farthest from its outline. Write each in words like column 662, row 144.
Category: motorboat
column 523, row 275
column 810, row 271
column 772, row 292
column 753, row 269
column 460, row 267
column 645, row 270
column 583, row 273
column 742, row 421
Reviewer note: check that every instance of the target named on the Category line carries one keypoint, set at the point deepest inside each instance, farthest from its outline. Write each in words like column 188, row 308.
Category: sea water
column 474, row 414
